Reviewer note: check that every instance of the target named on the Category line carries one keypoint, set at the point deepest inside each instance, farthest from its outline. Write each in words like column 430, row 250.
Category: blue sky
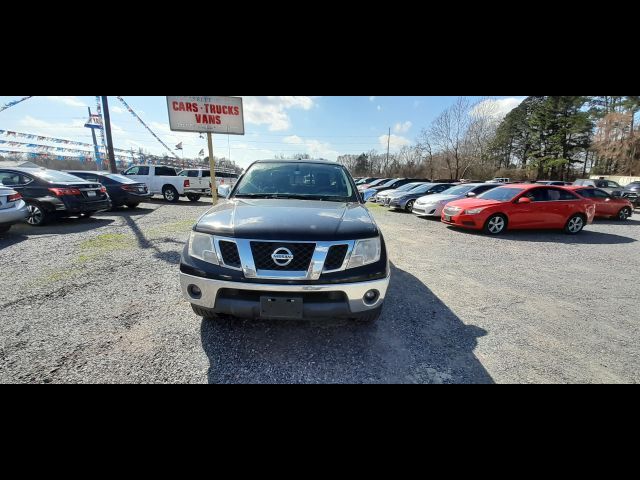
column 321, row 126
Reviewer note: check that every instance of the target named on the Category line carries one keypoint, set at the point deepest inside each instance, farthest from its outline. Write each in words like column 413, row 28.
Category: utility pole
column 388, row 145
column 95, row 143
column 107, row 125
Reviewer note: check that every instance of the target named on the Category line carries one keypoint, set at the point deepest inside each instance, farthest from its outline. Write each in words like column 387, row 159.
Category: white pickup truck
column 222, row 177
column 166, row 181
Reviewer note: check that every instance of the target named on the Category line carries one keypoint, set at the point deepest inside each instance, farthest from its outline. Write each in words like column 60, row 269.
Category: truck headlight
column 201, row 247
column 365, row 252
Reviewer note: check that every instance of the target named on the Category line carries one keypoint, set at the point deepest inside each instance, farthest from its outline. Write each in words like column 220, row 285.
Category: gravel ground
column 98, row 301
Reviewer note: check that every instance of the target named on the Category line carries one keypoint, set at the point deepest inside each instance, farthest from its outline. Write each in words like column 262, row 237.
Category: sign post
column 212, row 167
column 207, row 115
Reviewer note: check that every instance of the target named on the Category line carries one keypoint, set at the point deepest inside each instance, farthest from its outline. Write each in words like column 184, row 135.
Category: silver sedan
column 432, row 205
column 12, row 208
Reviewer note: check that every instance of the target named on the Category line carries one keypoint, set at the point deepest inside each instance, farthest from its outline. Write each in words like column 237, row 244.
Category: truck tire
column 193, row 197
column 170, row 194
column 205, row 313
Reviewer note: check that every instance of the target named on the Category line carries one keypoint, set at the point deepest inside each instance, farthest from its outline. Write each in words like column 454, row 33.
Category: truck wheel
column 371, row 316
column 205, row 313
column 193, row 197
column 170, row 194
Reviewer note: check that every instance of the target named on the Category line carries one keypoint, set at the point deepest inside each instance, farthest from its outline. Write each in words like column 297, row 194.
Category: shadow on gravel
column 62, row 226
column 553, row 236
column 171, row 257
column 417, row 340
column 129, row 212
column 203, row 202
column 630, row 222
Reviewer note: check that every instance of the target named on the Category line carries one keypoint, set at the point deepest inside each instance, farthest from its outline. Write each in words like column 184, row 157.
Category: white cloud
column 371, row 99
column 272, row 111
column 315, row 148
column 395, row 142
column 402, row 127
column 70, row 101
column 498, row 108
column 379, row 108
column 119, row 110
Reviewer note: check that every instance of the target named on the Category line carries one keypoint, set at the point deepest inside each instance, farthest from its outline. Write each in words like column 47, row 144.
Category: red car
column 606, row 205
column 521, row 206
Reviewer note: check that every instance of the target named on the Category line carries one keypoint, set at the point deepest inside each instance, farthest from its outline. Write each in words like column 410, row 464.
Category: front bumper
column 427, row 210
column 17, row 214
column 474, row 222
column 353, row 294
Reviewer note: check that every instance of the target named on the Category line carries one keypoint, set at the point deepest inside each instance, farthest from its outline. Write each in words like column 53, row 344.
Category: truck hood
column 299, row 220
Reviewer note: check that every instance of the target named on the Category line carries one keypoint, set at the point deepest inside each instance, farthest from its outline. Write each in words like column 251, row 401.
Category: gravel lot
column 98, row 300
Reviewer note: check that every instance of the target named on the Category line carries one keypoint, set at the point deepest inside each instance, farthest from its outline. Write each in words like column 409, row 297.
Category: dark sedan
column 50, row 193
column 632, row 193
column 122, row 190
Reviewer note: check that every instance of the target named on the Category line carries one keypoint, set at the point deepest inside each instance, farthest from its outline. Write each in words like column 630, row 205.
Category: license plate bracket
column 276, row 306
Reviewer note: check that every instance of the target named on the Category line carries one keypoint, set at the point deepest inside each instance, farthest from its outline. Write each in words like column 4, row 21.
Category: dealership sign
column 206, row 114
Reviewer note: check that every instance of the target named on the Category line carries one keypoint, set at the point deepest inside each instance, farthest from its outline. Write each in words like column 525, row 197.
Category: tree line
column 545, row 137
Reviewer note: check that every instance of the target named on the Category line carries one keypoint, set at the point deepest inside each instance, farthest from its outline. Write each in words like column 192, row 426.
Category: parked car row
column 496, row 206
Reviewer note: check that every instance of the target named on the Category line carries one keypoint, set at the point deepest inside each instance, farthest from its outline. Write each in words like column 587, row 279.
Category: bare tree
column 448, row 134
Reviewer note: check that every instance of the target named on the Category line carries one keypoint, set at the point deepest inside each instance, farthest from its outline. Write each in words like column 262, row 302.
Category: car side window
column 132, row 171
column 600, row 194
column 587, row 193
column 565, row 195
column 163, row 172
column 482, row 189
column 440, row 188
column 192, row 173
column 537, row 195
column 14, row 179
column 143, row 171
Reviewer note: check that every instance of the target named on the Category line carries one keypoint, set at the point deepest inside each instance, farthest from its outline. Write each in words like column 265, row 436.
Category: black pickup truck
column 292, row 240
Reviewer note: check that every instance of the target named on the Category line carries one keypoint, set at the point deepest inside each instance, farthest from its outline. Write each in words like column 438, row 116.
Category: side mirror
column 524, row 200
column 224, row 191
column 470, row 195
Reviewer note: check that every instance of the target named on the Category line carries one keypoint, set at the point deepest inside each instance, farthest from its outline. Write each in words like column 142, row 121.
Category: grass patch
column 107, row 242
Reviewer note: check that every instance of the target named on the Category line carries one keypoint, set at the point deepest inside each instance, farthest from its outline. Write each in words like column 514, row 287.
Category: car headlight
column 201, row 247
column 473, row 211
column 365, row 252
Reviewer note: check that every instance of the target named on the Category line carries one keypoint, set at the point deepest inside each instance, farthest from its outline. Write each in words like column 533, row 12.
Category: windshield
column 461, row 190
column 377, row 182
column 56, row 176
column 501, row 194
column 422, row 188
column 408, row 187
column 120, row 178
column 304, row 181
column 389, row 183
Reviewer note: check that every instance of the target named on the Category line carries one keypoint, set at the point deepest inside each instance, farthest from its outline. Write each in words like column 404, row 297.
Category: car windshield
column 501, row 194
column 56, row 176
column 377, row 182
column 422, row 188
column 389, row 183
column 408, row 187
column 461, row 190
column 120, row 178
column 304, row 181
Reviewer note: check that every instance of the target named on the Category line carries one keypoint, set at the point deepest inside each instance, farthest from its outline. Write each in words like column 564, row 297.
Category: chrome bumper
column 354, row 291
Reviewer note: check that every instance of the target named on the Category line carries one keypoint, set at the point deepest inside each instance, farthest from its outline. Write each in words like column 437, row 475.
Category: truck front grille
column 302, row 254
column 335, row 257
column 230, row 255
